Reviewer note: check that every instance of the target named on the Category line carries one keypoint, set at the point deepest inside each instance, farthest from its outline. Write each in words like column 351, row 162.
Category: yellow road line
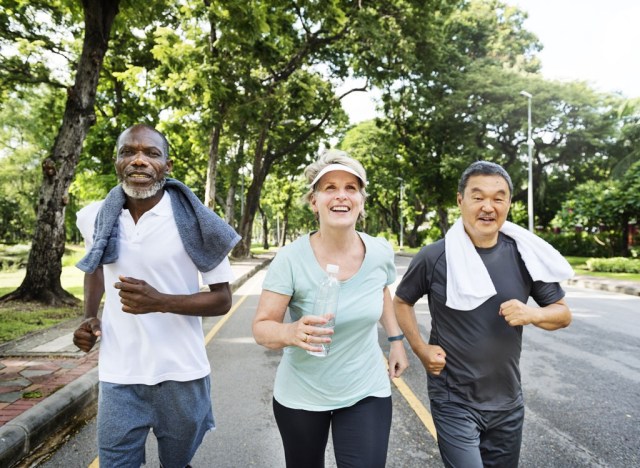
column 223, row 320
column 95, row 463
column 415, row 404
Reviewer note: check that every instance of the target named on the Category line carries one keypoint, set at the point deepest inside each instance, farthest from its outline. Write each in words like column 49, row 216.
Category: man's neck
column 485, row 242
column 139, row 206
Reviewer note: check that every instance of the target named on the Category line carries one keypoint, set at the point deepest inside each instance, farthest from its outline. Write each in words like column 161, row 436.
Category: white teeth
column 341, row 209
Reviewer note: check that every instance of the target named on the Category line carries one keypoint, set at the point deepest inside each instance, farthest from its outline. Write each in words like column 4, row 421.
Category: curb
column 62, row 410
column 32, row 428
column 243, row 279
column 602, row 284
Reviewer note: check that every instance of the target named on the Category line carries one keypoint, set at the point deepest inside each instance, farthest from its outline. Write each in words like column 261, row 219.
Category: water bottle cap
column 332, row 268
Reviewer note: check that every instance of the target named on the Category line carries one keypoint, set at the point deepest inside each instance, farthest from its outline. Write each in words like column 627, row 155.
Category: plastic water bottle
column 326, row 304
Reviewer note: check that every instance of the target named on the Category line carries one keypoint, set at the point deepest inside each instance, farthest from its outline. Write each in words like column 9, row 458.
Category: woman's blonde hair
column 334, row 156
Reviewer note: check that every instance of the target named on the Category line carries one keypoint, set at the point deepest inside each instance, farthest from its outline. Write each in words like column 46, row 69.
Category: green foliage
column 494, row 31
column 630, row 192
column 614, row 265
column 283, row 198
column 371, row 146
column 37, row 39
column 590, row 205
column 627, row 147
column 27, row 123
column 582, row 243
column 252, row 87
column 607, row 207
column 457, row 102
column 519, row 214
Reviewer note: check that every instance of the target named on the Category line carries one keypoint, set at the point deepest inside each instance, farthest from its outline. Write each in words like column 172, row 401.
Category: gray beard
column 142, row 194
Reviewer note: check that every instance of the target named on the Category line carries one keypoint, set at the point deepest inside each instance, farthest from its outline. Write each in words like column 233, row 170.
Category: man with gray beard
column 150, row 244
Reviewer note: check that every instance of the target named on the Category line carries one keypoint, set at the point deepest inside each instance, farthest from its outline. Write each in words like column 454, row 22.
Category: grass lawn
column 18, row 319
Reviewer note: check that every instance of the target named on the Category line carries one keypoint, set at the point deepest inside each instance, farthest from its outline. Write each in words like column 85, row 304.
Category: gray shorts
column 179, row 413
column 472, row 438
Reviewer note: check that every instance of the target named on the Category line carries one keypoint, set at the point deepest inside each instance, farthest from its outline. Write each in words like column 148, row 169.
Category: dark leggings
column 360, row 434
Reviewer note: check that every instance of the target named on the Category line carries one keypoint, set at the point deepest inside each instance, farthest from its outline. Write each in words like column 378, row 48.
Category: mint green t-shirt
column 355, row 368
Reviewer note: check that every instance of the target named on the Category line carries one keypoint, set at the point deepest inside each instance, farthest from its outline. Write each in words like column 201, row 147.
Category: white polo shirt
column 154, row 347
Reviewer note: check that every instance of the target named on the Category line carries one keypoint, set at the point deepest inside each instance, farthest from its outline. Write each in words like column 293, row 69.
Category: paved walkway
column 46, row 382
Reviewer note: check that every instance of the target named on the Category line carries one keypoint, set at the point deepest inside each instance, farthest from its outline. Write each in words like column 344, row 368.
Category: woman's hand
column 308, row 333
column 398, row 360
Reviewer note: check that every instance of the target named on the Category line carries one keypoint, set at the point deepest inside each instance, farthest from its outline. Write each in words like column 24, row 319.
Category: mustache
column 128, row 172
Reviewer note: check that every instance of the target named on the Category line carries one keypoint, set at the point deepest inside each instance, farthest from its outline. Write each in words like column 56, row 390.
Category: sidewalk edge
column 22, row 435
column 618, row 286
column 243, row 279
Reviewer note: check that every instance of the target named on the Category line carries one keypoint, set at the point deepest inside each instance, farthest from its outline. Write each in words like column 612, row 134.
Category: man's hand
column 517, row 313
column 549, row 317
column 138, row 297
column 433, row 359
column 87, row 334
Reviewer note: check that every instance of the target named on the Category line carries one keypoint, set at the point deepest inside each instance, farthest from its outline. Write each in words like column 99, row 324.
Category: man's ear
column 459, row 199
column 168, row 167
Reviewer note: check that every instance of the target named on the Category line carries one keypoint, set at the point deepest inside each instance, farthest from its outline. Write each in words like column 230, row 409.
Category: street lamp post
column 530, row 145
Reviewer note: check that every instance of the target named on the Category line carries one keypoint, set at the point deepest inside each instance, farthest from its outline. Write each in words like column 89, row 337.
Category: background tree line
column 248, row 92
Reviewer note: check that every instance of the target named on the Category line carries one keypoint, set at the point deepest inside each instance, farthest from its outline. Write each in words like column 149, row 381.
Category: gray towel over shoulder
column 207, row 238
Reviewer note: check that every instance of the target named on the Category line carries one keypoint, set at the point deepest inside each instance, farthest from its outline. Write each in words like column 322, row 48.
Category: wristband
column 396, row 338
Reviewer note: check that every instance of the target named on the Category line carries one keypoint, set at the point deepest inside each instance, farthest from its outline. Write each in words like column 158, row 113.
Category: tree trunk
column 283, row 230
column 212, row 167
column 265, row 230
column 261, row 165
column 287, row 208
column 624, row 244
column 230, row 204
column 443, row 219
column 42, row 280
column 214, row 139
column 412, row 236
column 236, row 173
column 243, row 248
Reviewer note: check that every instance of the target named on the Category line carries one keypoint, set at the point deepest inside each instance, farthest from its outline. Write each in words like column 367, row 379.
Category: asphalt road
column 581, row 385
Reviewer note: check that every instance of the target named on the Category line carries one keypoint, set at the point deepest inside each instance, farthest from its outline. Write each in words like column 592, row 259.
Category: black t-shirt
column 483, row 351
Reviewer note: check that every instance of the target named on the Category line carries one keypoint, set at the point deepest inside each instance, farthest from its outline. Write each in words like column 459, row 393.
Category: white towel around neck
column 468, row 281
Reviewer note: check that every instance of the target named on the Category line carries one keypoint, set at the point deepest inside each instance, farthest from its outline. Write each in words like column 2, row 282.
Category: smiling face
column 337, row 199
column 484, row 207
column 142, row 162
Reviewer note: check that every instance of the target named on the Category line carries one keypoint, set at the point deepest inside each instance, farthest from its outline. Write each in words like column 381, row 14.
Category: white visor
column 337, row 167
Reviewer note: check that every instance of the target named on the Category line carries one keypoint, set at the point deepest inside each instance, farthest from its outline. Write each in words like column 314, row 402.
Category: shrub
column 583, row 244
column 614, row 265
